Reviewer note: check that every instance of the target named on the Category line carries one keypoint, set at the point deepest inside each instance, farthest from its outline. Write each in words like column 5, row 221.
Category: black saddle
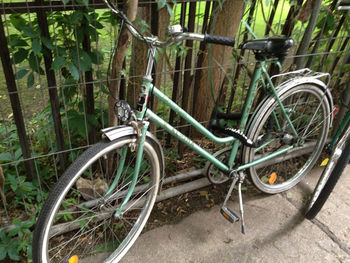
column 272, row 47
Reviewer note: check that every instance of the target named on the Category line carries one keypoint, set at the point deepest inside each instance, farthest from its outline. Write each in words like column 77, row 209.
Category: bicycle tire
column 74, row 211
column 320, row 197
column 309, row 112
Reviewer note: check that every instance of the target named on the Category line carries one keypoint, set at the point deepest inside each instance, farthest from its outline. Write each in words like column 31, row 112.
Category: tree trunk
column 138, row 61
column 230, row 14
column 162, row 23
column 118, row 59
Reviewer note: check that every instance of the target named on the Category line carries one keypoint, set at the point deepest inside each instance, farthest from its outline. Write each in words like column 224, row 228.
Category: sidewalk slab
column 276, row 231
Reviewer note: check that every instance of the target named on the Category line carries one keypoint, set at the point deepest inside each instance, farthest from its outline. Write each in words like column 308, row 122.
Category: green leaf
column 96, row 57
column 76, row 17
column 20, row 55
column 2, row 252
column 21, row 73
column 91, row 118
column 17, row 21
column 77, row 122
column 85, row 63
column 58, row 63
column 73, row 71
column 93, row 33
column 47, row 43
column 18, row 43
column 6, row 157
column 345, row 68
column 161, row 4
column 65, row 2
column 29, row 32
column 27, row 186
column 104, row 90
column 13, row 254
column 88, row 17
column 170, row 10
column 98, row 25
column 36, row 46
column 30, row 80
column 34, row 62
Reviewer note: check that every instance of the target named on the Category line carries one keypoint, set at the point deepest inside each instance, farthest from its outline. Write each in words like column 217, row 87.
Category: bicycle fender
column 308, row 80
column 113, row 133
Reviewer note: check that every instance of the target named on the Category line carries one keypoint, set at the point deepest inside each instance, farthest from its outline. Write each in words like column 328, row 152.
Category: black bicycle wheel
column 320, row 196
column 79, row 217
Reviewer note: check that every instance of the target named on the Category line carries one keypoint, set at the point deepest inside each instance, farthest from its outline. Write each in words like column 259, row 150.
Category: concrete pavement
column 276, row 231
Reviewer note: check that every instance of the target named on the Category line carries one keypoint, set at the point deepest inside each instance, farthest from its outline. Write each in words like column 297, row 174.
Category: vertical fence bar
column 272, row 16
column 177, row 75
column 187, row 82
column 51, row 82
column 15, row 102
column 90, row 103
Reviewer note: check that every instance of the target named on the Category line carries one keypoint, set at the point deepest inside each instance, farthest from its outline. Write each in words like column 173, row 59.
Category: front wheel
column 309, row 112
column 329, row 178
column 79, row 216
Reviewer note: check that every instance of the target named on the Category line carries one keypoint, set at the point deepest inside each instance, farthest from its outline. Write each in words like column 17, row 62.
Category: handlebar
column 344, row 5
column 175, row 33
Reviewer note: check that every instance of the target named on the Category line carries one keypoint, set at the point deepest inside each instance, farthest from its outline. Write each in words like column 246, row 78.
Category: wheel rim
column 96, row 231
column 309, row 112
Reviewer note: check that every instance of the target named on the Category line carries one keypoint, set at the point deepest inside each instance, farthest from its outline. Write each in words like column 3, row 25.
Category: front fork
column 141, row 130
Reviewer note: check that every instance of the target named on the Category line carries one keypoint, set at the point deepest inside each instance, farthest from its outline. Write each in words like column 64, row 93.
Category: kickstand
column 241, row 179
column 228, row 213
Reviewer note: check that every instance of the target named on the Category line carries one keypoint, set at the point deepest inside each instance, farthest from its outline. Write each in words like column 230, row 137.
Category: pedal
column 229, row 214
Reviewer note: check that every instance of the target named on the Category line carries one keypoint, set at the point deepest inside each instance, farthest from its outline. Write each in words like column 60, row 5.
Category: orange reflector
column 226, row 215
column 73, row 259
column 272, row 178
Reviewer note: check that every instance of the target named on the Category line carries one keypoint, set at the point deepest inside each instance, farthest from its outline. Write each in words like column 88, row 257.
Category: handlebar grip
column 344, row 5
column 220, row 40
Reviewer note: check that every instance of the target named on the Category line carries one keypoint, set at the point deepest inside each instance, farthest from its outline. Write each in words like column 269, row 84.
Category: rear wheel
column 309, row 111
column 78, row 218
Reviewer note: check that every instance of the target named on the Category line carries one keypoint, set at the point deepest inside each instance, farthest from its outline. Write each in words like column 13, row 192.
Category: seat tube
column 247, row 108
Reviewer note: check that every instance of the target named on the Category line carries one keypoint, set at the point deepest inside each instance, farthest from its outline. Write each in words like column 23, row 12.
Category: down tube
column 161, row 123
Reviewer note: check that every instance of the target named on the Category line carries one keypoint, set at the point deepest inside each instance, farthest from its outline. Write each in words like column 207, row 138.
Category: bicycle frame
column 147, row 88
column 342, row 126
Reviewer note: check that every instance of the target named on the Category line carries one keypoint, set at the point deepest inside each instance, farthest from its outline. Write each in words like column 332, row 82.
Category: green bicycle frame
column 259, row 73
column 342, row 125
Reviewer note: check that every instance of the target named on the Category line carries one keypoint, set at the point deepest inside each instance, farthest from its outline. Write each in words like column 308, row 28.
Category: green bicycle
column 276, row 144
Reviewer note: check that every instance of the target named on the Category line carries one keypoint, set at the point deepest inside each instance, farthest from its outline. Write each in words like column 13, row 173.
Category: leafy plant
column 16, row 241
